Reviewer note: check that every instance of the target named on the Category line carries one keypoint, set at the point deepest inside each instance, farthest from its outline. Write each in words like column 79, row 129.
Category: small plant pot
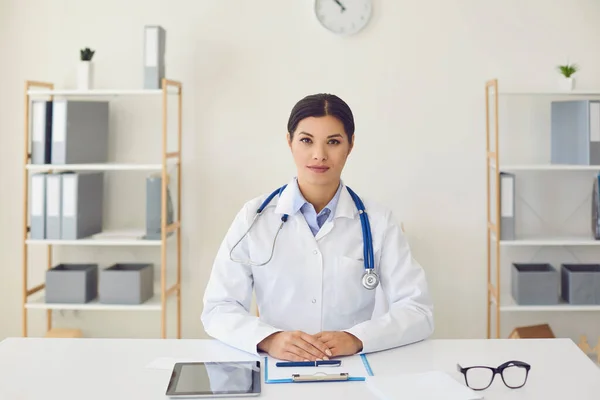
column 566, row 84
column 126, row 283
column 535, row 284
column 72, row 283
column 85, row 75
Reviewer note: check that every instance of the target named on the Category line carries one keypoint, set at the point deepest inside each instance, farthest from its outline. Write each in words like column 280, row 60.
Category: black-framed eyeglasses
column 479, row 377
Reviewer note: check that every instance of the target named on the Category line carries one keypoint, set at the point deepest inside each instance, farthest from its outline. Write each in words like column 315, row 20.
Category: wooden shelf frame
column 169, row 88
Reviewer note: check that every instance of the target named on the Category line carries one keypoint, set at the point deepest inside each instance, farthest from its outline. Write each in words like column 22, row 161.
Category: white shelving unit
column 33, row 297
column 498, row 297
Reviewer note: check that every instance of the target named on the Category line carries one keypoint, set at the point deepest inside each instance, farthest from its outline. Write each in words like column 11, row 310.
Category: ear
column 289, row 140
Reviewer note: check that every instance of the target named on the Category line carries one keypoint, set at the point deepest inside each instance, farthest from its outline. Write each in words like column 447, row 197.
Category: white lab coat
column 313, row 283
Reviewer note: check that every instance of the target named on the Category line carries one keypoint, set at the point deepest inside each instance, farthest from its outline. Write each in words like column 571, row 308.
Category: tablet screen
column 215, row 378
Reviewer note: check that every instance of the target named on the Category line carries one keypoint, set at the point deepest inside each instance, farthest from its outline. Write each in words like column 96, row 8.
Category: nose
column 320, row 153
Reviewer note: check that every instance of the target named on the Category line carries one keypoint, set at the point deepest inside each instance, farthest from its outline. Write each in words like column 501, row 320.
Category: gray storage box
column 535, row 284
column 126, row 283
column 580, row 283
column 72, row 283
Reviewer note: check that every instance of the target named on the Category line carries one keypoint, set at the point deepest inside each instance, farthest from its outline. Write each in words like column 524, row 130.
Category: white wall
column 414, row 79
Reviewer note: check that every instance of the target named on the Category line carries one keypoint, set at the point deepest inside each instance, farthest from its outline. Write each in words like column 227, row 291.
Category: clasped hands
column 300, row 346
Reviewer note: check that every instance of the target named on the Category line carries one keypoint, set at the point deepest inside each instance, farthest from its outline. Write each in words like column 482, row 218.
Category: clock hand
column 341, row 5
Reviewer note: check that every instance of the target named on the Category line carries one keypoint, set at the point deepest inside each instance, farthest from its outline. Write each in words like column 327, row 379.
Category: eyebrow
column 328, row 137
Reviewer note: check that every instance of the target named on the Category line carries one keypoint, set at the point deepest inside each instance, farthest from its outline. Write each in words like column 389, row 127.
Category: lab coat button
column 316, row 252
column 314, row 301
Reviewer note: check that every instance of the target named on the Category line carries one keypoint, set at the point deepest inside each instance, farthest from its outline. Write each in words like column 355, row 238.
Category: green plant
column 568, row 69
column 87, row 54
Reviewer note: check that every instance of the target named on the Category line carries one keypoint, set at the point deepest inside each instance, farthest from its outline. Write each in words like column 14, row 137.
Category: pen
column 324, row 363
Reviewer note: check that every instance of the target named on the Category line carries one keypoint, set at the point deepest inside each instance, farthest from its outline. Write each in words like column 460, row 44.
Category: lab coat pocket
column 352, row 298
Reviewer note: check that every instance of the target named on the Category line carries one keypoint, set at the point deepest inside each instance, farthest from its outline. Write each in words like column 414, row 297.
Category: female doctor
column 304, row 258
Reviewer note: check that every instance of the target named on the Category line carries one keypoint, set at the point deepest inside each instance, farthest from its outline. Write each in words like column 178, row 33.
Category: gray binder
column 153, row 207
column 37, row 207
column 507, row 206
column 155, row 39
column 41, row 131
column 596, row 207
column 82, row 202
column 53, row 206
column 80, row 132
column 575, row 132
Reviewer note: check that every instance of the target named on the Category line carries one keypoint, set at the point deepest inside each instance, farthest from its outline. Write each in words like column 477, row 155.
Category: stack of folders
column 69, row 131
column 66, row 205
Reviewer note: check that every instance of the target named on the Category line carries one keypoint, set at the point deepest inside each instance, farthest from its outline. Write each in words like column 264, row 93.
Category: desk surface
column 117, row 369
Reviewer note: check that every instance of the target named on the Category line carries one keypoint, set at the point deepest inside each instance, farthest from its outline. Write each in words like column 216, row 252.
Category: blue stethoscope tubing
column 370, row 279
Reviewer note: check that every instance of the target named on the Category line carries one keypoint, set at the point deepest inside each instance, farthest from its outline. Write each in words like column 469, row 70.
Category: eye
column 305, row 140
column 334, row 141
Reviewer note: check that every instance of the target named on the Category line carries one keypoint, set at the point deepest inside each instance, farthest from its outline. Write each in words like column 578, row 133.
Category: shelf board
column 100, row 92
column 508, row 304
column 551, row 241
column 107, row 238
column 153, row 304
column 549, row 92
column 549, row 167
column 98, row 167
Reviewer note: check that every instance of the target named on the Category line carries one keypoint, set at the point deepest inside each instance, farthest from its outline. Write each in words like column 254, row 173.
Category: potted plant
column 85, row 70
column 567, row 82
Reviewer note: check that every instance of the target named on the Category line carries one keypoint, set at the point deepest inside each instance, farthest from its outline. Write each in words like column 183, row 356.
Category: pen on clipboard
column 324, row 363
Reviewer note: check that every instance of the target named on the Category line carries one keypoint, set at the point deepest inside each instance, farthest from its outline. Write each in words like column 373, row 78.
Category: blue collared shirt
column 315, row 221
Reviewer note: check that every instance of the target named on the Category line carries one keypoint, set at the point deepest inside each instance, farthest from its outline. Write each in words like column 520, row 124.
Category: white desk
column 116, row 369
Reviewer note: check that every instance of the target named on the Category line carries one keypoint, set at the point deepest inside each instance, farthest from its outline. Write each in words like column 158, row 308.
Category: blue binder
column 323, row 377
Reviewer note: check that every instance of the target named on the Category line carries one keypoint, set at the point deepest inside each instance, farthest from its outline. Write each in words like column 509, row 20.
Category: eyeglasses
column 514, row 374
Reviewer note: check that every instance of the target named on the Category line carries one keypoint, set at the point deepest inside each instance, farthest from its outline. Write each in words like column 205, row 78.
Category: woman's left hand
column 340, row 343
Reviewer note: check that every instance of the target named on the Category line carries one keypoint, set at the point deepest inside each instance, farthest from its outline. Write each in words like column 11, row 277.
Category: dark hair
column 320, row 105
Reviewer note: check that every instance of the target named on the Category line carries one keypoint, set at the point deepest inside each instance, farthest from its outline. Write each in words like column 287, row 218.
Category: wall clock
column 343, row 17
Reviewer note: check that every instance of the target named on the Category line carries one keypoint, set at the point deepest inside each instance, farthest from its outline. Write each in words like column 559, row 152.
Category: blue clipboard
column 296, row 378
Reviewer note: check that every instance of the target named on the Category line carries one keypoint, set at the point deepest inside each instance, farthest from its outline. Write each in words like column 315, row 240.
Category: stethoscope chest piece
column 370, row 279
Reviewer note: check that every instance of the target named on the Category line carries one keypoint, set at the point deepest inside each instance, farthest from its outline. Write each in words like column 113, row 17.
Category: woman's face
column 320, row 148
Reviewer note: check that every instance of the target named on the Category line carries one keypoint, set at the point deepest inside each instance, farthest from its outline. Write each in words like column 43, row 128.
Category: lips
column 318, row 168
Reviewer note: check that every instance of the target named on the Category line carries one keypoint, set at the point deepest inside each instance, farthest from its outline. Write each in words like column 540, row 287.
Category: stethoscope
column 370, row 279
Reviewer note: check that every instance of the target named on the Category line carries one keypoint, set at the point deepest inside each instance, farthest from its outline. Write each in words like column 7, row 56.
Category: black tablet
column 196, row 380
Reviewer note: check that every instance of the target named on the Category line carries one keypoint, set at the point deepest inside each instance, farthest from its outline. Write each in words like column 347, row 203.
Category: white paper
column 38, row 124
column 68, row 201
column 59, row 121
column 151, row 47
column 506, row 190
column 37, row 195
column 352, row 365
column 53, row 199
column 432, row 385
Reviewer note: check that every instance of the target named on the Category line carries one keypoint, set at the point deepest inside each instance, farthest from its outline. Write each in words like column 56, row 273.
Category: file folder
column 41, row 131
column 53, row 206
column 37, row 210
column 507, row 206
column 82, row 202
column 154, row 56
column 575, row 132
column 153, row 207
column 80, row 131
column 353, row 368
column 596, row 207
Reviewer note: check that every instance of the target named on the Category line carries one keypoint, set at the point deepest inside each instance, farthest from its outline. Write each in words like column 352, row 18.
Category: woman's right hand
column 294, row 346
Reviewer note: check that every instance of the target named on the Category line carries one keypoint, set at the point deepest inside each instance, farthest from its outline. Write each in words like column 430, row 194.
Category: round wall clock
column 344, row 17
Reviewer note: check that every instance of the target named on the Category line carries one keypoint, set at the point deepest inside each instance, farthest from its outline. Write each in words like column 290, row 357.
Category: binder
column 82, row 202
column 154, row 56
column 153, row 207
column 41, row 131
column 596, row 208
column 353, row 368
column 80, row 131
column 575, row 132
column 37, row 210
column 53, row 205
column 507, row 206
